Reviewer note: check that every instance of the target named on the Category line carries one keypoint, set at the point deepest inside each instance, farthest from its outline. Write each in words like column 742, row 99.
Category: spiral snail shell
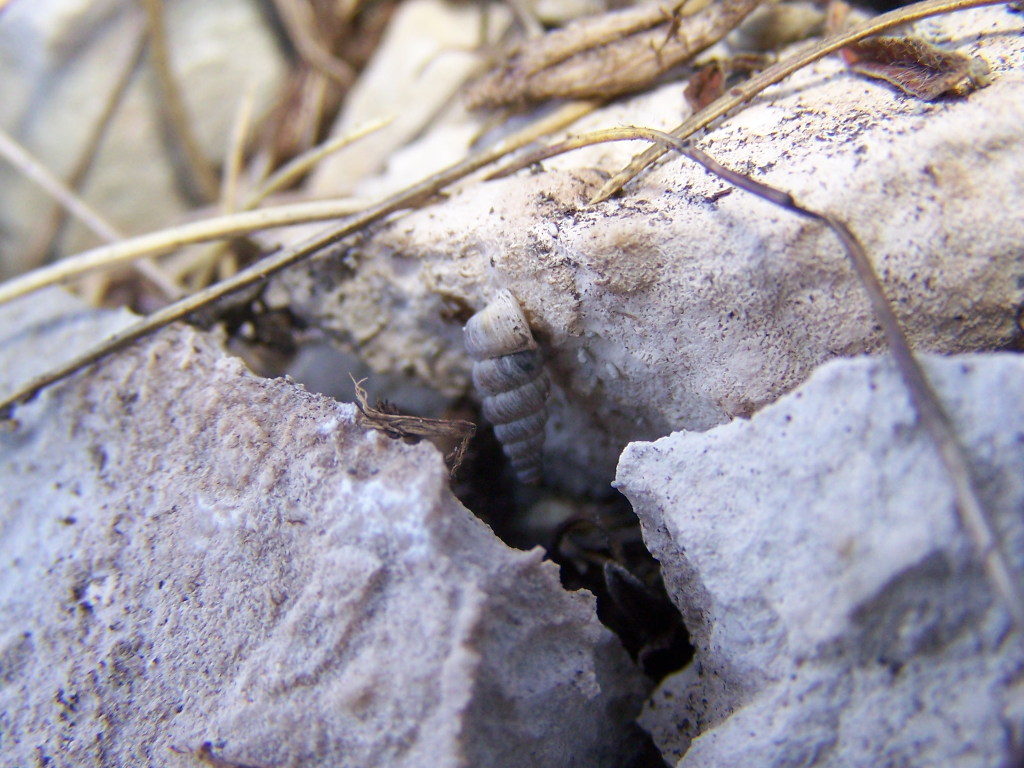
column 508, row 372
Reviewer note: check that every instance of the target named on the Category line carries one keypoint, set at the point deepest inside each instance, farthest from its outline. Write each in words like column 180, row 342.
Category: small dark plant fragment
column 606, row 555
column 709, row 82
column 705, row 85
column 386, row 419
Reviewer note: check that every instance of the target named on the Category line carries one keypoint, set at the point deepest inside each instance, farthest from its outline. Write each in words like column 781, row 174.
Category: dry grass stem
column 163, row 241
column 201, row 269
column 755, row 85
column 200, row 181
column 70, row 201
column 233, row 163
column 29, row 167
column 300, row 26
column 300, row 165
column 48, row 232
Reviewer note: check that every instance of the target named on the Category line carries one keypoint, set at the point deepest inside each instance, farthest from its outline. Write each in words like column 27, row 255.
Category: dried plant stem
column 166, row 240
column 235, row 159
column 292, row 171
column 69, row 200
column 297, row 19
column 774, row 74
column 32, row 169
column 220, row 257
column 39, row 247
column 202, row 181
column 974, row 517
column 274, row 263
column 200, row 269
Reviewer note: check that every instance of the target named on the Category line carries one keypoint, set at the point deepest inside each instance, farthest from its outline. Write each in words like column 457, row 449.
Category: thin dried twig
column 213, row 228
column 297, row 19
column 291, row 172
column 200, row 269
column 397, row 425
column 220, row 256
column 32, row 169
column 236, row 151
column 41, row 245
column 755, row 85
column 201, row 181
column 29, row 167
column 273, row 264
column 69, row 200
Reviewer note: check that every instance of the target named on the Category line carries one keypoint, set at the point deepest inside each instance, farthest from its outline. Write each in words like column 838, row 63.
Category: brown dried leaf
column 709, row 82
column 705, row 85
column 610, row 54
column 396, row 425
column 917, row 67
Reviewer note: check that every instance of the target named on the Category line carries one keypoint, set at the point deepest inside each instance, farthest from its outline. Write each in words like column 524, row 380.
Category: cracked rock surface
column 193, row 554
column 838, row 609
column 684, row 303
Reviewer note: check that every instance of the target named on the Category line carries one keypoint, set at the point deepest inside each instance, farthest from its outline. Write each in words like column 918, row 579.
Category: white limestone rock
column 193, row 554
column 683, row 303
column 838, row 609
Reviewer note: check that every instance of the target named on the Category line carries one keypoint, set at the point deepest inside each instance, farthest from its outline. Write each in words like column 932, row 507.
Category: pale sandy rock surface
column 838, row 608
column 682, row 303
column 194, row 554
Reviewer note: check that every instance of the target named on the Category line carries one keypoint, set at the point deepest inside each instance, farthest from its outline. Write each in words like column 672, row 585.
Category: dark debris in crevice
column 596, row 543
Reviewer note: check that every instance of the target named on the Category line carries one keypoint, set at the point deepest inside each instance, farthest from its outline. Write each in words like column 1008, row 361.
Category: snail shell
column 508, row 372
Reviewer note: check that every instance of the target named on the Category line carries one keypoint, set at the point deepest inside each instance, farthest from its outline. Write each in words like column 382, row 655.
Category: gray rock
column 684, row 303
column 193, row 554
column 839, row 611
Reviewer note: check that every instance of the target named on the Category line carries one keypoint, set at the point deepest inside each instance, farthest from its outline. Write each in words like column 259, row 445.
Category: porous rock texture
column 193, row 554
column 683, row 302
column 839, row 611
